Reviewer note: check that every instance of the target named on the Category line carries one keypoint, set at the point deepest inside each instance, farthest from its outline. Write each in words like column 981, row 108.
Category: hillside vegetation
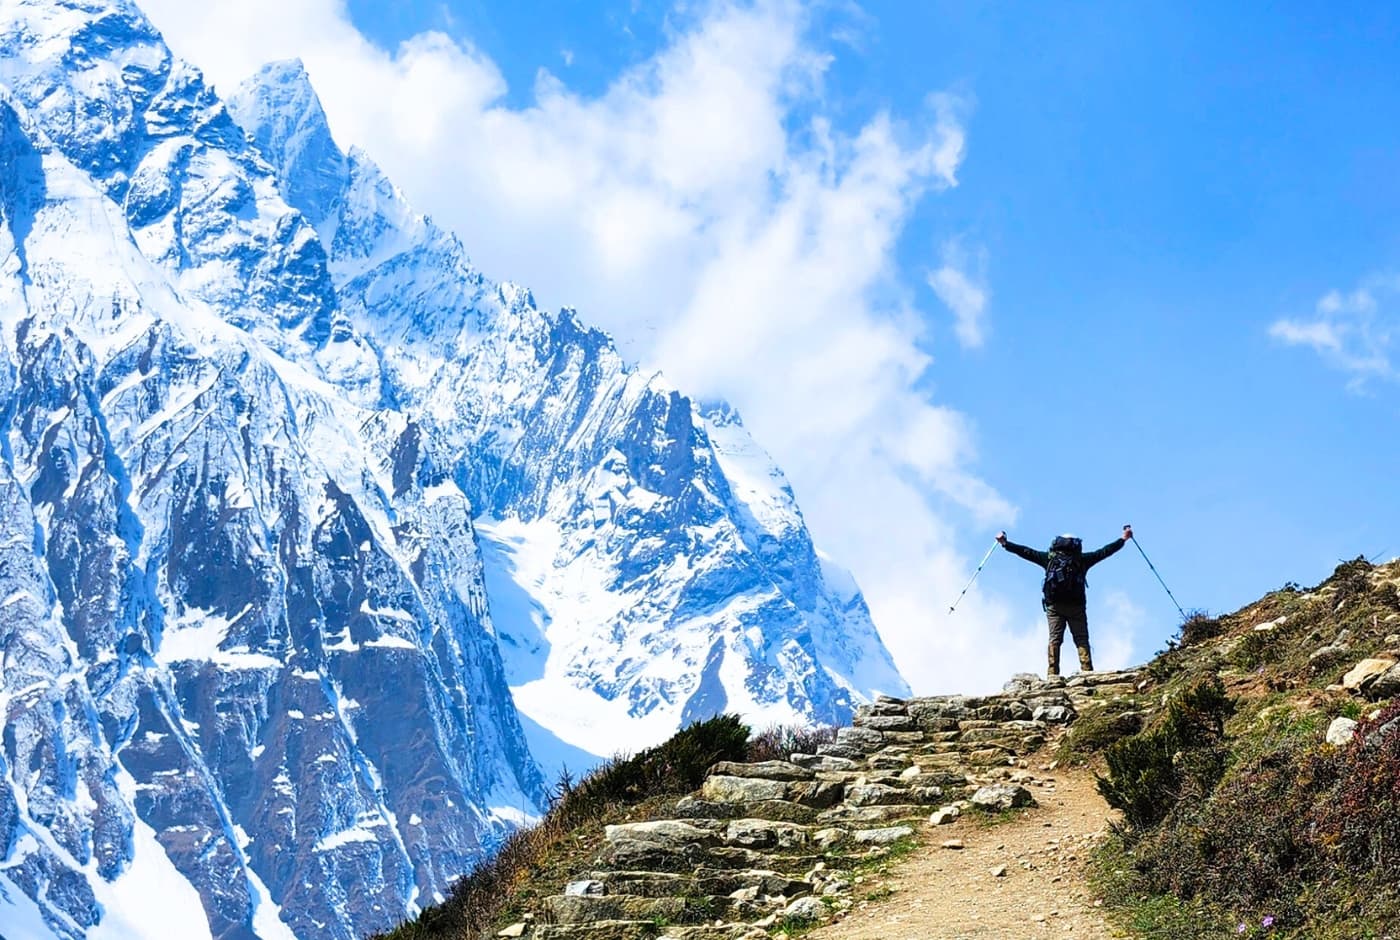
column 1240, row 818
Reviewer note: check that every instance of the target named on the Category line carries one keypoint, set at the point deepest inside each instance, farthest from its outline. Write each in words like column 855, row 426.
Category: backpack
column 1064, row 574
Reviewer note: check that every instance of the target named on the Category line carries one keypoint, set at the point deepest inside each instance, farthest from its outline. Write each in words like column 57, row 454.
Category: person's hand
column 1001, row 538
column 1127, row 532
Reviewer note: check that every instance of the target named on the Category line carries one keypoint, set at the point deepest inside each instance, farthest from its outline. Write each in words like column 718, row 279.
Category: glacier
column 316, row 545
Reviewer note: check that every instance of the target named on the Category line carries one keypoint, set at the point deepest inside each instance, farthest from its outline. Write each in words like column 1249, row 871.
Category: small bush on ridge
column 1179, row 756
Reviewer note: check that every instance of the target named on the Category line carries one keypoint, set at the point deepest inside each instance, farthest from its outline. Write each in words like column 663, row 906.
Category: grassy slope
column 536, row 862
column 1246, row 822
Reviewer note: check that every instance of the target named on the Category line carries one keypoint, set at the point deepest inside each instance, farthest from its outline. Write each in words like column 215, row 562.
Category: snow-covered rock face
column 647, row 562
column 248, row 685
column 250, row 404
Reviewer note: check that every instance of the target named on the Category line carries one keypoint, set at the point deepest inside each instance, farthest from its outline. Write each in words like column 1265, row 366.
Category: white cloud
column 1353, row 331
column 963, row 294
column 707, row 212
column 1115, row 626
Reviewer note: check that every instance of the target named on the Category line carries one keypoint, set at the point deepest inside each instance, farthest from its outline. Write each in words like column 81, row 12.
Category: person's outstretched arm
column 1034, row 556
column 1093, row 558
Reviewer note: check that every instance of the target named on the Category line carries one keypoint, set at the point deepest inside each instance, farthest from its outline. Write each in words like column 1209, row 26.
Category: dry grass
column 533, row 862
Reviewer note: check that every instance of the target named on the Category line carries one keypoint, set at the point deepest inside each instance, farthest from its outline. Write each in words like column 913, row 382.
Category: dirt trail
column 947, row 894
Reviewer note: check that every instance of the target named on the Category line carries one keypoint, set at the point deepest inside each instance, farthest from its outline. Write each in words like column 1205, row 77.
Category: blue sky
column 1143, row 194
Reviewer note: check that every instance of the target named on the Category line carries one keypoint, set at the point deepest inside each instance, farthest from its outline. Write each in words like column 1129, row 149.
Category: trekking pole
column 974, row 576
column 1159, row 577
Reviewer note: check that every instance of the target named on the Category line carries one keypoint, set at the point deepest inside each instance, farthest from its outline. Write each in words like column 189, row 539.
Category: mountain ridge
column 250, row 665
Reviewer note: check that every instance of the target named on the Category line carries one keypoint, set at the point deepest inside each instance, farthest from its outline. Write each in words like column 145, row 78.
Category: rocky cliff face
column 250, row 405
column 246, row 657
column 649, row 563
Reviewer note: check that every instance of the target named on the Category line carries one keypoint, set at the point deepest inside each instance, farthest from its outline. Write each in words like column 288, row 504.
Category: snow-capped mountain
column 256, row 656
column 647, row 562
column 247, row 669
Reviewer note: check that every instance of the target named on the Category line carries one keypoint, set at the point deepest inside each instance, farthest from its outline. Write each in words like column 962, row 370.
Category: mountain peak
column 280, row 110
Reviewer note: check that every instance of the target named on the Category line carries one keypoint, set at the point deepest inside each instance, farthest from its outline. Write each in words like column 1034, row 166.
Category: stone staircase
column 765, row 845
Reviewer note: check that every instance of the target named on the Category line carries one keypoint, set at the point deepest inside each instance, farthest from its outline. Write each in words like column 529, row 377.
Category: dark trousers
column 1075, row 617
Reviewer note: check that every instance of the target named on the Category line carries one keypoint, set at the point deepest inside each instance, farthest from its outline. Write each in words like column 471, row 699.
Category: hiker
column 1063, row 592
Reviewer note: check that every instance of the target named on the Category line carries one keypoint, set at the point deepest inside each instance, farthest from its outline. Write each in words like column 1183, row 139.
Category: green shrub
column 1198, row 627
column 1094, row 731
column 1360, row 824
column 1180, row 755
column 674, row 767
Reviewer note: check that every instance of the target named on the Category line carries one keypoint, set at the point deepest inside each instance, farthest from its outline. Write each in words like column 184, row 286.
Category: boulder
column 1384, row 731
column 1363, row 674
column 944, row 815
column 1055, row 714
column 725, row 789
column 584, row 888
column 1002, row 796
column 1341, row 731
column 1387, row 684
column 1021, row 683
column 805, row 911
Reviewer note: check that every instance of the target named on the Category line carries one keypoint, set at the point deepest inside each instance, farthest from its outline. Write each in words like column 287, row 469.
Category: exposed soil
column 952, row 894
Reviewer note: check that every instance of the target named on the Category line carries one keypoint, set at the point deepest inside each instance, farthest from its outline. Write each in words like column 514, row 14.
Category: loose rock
column 1341, row 731
column 944, row 815
column 1002, row 796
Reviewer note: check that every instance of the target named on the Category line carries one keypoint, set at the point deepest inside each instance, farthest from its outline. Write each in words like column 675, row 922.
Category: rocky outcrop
column 771, row 845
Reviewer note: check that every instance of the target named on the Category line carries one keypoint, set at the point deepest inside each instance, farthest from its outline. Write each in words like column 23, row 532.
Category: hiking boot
column 1086, row 661
column 1053, row 660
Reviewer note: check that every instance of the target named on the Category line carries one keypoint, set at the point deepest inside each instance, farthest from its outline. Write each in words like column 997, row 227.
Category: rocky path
column 1023, row 878
column 765, row 847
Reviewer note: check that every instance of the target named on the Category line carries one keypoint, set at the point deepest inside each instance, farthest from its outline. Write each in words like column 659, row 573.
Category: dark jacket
column 1082, row 560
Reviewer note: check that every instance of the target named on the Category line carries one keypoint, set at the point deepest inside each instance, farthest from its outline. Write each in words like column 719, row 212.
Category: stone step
column 641, row 930
column 726, row 788
column 825, row 764
column 589, row 909
column 638, row 855
column 691, row 907
column 871, row 815
column 762, row 770
column 884, row 794
column 694, row 809
column 714, row 882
